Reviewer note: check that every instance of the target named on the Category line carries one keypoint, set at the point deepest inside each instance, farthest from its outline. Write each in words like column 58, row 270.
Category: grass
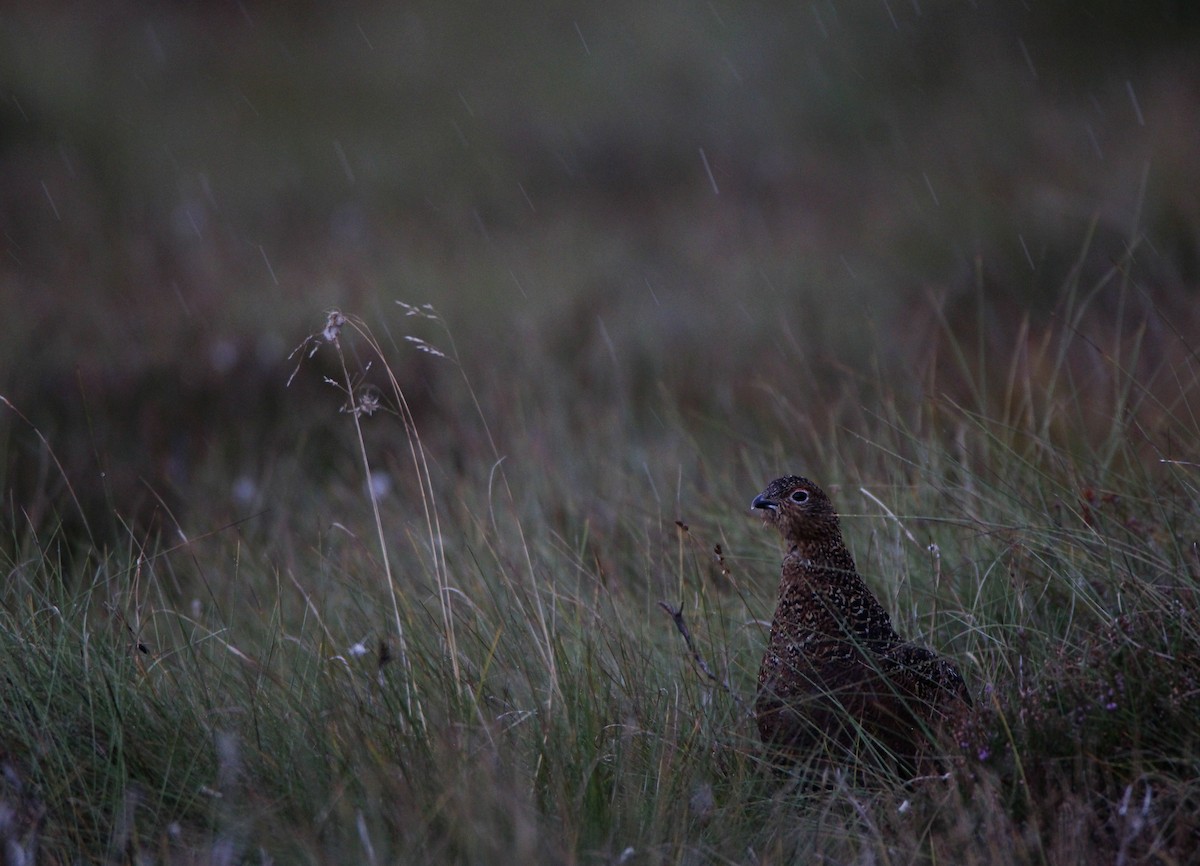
column 942, row 260
column 475, row 667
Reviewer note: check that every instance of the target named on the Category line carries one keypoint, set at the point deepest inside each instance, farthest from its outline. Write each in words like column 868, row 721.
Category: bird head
column 797, row 508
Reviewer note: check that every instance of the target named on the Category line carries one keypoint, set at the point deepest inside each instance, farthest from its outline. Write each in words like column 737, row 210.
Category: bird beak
column 762, row 502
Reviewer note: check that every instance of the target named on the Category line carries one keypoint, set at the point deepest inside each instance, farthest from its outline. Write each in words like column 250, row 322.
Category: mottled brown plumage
column 835, row 667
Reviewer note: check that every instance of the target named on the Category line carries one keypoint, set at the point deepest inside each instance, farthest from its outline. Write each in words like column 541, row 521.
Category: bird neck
column 821, row 555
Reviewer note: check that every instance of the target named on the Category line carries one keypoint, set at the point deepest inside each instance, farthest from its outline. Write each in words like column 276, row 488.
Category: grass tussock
column 501, row 653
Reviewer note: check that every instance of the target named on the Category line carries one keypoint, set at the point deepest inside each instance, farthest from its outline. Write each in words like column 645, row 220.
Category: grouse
column 835, row 668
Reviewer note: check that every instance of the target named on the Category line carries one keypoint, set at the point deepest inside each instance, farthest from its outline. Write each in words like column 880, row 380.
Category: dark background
column 642, row 209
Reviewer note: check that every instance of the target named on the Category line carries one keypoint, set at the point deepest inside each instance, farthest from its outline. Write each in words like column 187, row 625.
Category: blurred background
column 669, row 229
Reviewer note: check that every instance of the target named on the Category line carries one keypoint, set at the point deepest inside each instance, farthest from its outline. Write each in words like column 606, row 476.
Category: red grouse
column 835, row 668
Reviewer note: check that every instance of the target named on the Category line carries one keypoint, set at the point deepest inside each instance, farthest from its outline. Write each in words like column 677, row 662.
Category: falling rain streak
column 267, row 261
column 711, row 179
column 1137, row 109
column 50, row 199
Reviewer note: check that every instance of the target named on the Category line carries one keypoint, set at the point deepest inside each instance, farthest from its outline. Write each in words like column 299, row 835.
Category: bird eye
column 799, row 496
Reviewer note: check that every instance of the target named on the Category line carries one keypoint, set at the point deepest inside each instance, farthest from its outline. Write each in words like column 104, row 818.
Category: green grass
column 474, row 667
column 941, row 258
